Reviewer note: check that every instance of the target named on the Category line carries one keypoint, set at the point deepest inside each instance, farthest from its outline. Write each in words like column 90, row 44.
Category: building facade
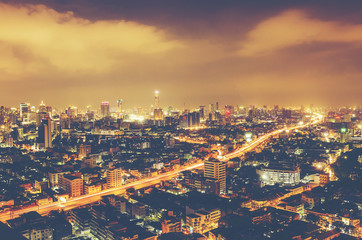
column 215, row 169
column 278, row 174
column 114, row 177
column 72, row 185
column 203, row 221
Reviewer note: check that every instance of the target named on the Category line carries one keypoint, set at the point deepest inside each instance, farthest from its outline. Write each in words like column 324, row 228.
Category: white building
column 279, row 174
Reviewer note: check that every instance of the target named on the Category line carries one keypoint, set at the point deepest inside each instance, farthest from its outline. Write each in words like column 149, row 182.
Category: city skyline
column 118, row 106
column 83, row 53
column 163, row 120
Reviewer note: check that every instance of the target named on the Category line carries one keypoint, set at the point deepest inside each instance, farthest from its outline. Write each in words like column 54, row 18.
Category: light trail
column 142, row 183
column 190, row 140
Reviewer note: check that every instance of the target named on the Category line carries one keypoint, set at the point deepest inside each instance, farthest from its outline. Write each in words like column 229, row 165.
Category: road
column 265, row 137
column 142, row 183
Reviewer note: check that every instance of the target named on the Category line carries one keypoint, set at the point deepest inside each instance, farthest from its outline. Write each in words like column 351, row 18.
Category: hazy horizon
column 195, row 53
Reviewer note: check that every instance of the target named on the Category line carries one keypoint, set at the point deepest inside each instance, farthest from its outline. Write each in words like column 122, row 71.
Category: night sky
column 193, row 52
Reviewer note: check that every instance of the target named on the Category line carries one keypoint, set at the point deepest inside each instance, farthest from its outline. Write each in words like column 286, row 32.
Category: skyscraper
column 193, row 119
column 45, row 133
column 119, row 105
column 157, row 113
column 229, row 110
column 105, row 109
column 216, row 169
column 42, row 107
column 157, row 99
column 24, row 108
column 39, row 118
column 211, row 108
column 25, row 111
column 202, row 112
column 211, row 111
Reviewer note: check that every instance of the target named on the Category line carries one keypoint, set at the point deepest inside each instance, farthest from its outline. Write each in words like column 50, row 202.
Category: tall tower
column 42, row 107
column 211, row 111
column 119, row 105
column 211, row 108
column 216, row 169
column 105, row 109
column 202, row 112
column 157, row 113
column 25, row 112
column 45, row 133
column 157, row 99
column 24, row 108
column 114, row 177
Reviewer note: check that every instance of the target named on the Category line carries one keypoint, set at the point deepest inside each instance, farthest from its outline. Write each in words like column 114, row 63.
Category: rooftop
column 71, row 177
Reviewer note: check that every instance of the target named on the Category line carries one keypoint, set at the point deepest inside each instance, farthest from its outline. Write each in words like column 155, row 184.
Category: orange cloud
column 34, row 38
column 64, row 59
column 295, row 27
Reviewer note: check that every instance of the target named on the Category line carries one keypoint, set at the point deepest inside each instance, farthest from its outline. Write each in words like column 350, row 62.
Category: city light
column 133, row 118
column 181, row 120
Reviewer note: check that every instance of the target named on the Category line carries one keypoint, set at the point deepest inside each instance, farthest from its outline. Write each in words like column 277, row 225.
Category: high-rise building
column 49, row 110
column 45, row 110
column 25, row 112
column 211, row 112
column 229, row 110
column 202, row 112
column 119, row 105
column 345, row 135
column 190, row 120
column 183, row 121
column 72, row 111
column 211, row 108
column 287, row 113
column 169, row 110
column 24, row 108
column 114, row 177
column 105, row 109
column 157, row 113
column 45, row 133
column 39, row 117
column 194, row 119
column 216, row 169
column 42, row 107
column 157, row 99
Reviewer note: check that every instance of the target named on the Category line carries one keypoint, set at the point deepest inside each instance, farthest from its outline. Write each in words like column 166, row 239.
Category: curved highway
column 142, row 183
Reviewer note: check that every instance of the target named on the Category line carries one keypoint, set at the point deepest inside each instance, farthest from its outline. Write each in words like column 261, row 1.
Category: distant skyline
column 193, row 52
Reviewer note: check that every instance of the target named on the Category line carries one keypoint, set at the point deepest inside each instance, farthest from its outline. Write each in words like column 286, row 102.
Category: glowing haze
column 68, row 53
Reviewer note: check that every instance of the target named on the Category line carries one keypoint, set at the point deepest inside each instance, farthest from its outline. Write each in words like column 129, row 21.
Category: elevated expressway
column 146, row 182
